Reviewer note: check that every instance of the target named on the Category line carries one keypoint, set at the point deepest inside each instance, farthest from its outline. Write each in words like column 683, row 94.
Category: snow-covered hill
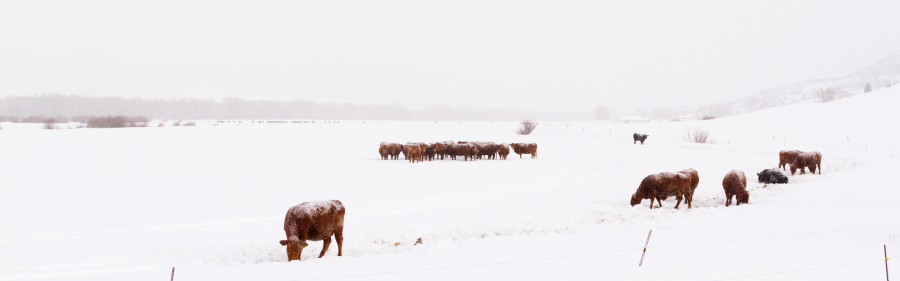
column 879, row 75
column 130, row 204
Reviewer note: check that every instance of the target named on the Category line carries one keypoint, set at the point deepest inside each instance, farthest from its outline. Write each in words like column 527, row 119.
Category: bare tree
column 601, row 112
column 527, row 127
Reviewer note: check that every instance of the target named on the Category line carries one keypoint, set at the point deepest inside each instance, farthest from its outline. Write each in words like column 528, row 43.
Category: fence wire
column 638, row 249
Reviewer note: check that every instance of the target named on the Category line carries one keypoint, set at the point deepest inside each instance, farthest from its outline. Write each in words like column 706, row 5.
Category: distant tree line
column 65, row 107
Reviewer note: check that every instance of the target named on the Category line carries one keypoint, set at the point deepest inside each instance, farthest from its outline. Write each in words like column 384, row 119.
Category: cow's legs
column 728, row 199
column 339, row 237
column 325, row 244
column 679, row 201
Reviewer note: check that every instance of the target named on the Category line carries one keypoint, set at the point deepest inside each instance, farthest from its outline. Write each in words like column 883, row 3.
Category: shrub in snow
column 527, row 127
column 189, row 124
column 106, row 122
column 33, row 119
column 697, row 135
column 868, row 88
column 50, row 124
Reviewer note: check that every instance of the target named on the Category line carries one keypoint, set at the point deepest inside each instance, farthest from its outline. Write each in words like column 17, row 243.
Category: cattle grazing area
column 416, row 152
column 252, row 201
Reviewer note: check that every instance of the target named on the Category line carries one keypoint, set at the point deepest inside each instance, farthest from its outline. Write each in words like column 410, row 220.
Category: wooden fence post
column 173, row 274
column 648, row 242
column 886, row 275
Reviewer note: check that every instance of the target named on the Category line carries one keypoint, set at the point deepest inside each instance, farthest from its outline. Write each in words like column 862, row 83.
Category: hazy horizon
column 529, row 56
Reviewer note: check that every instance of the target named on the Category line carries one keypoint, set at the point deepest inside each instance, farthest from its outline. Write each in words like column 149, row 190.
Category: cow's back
column 316, row 220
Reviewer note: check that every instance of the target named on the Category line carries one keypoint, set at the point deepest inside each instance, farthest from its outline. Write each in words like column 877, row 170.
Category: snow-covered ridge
column 879, row 75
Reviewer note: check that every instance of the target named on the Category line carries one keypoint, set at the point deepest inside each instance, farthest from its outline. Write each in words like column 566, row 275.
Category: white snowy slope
column 880, row 74
column 130, row 204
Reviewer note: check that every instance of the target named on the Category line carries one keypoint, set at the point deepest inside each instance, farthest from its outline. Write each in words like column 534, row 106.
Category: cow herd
column 658, row 187
column 469, row 150
column 318, row 221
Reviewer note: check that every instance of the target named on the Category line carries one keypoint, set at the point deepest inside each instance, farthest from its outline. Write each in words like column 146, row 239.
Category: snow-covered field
column 130, row 204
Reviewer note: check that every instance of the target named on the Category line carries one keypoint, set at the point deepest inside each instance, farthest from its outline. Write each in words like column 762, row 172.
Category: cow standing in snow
column 735, row 185
column 640, row 138
column 314, row 221
column 660, row 186
column 524, row 148
column 786, row 157
column 503, row 150
column 812, row 160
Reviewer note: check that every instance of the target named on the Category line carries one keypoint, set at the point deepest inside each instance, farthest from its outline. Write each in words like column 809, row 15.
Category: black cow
column 771, row 176
column 640, row 137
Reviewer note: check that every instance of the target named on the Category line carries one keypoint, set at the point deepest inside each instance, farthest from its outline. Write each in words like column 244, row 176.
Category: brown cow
column 735, row 185
column 445, row 151
column 404, row 151
column 524, row 148
column 413, row 153
column 314, row 221
column 429, row 153
column 385, row 150
column 421, row 146
column 503, row 150
column 813, row 160
column 473, row 151
column 396, row 148
column 487, row 149
column 695, row 180
column 461, row 150
column 786, row 157
column 662, row 185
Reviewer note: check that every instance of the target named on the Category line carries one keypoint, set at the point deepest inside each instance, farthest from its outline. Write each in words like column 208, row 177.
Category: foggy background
column 441, row 60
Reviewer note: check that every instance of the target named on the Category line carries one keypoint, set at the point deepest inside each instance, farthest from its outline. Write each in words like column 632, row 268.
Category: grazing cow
column 786, row 157
column 314, row 221
column 640, row 137
column 414, row 152
column 695, row 180
column 403, row 150
column 385, row 150
column 812, row 160
column 659, row 186
column 503, row 150
column 735, row 185
column 524, row 148
column 771, row 176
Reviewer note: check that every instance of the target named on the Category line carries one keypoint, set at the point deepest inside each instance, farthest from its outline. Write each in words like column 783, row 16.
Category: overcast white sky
column 551, row 55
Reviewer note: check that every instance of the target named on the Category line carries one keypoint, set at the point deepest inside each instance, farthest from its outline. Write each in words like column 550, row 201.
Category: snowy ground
column 130, row 204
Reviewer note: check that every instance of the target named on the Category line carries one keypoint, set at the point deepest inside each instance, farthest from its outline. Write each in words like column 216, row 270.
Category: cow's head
column 645, row 136
column 794, row 168
column 745, row 197
column 294, row 247
column 635, row 200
